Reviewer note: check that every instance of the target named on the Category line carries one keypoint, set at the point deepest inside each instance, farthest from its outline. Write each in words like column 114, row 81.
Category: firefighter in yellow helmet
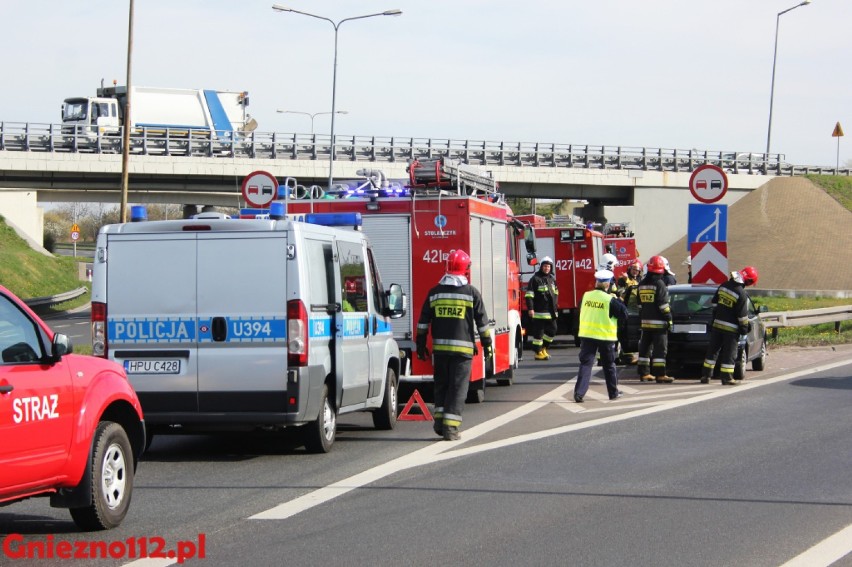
column 542, row 299
column 454, row 310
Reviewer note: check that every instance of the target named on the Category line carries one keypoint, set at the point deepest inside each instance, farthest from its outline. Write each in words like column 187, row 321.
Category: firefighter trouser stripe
column 452, row 420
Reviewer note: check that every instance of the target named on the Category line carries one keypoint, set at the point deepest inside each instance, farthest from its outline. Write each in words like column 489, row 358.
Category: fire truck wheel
column 506, row 378
column 319, row 434
column 385, row 416
column 476, row 392
column 111, row 478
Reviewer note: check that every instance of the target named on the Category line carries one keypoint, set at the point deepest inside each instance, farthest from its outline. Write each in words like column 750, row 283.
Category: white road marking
column 825, row 552
column 441, row 451
column 573, row 407
column 151, row 562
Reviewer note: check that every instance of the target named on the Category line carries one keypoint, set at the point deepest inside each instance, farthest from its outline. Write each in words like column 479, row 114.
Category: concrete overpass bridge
column 647, row 187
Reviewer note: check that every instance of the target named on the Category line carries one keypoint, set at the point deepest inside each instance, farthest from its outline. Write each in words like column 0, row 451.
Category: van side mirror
column 397, row 302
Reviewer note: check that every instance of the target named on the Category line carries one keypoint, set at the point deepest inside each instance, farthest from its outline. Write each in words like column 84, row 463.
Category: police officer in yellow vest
column 600, row 315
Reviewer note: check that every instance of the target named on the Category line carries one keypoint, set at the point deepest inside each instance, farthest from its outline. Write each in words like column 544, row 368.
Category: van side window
column 379, row 299
column 321, row 259
column 353, row 273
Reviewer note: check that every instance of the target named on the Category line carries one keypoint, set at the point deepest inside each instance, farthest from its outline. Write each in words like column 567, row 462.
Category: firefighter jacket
column 731, row 312
column 625, row 282
column 542, row 295
column 600, row 314
column 453, row 308
column 654, row 312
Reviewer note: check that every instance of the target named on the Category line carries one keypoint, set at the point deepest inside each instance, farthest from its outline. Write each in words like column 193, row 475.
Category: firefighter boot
column 438, row 426
column 547, row 354
column 451, row 433
column 705, row 379
column 664, row 379
column 541, row 355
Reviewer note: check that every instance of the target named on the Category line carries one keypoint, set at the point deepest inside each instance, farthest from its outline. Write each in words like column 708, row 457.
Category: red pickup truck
column 71, row 426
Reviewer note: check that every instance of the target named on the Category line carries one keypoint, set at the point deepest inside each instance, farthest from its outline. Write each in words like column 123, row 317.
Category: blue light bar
column 334, row 219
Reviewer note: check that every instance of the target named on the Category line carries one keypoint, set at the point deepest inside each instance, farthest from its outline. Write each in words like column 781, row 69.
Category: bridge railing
column 36, row 137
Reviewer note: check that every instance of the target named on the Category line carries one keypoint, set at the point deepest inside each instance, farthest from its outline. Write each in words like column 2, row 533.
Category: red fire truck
column 576, row 251
column 413, row 227
column 619, row 240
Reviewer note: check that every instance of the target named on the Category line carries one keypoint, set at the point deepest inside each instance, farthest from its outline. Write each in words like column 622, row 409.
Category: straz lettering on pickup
column 450, row 312
column 35, row 408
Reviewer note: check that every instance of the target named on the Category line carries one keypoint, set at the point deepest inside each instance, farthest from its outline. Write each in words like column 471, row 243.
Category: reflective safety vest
column 595, row 322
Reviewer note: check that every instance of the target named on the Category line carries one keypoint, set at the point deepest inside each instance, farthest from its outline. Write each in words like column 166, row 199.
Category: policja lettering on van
column 133, row 330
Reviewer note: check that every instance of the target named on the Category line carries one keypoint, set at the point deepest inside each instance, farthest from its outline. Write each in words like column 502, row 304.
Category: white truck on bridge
column 156, row 111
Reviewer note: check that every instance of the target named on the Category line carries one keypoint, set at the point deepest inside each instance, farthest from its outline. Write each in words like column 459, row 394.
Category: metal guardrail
column 38, row 137
column 51, row 300
column 777, row 319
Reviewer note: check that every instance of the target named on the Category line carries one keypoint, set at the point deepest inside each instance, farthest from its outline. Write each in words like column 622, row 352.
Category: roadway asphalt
column 680, row 474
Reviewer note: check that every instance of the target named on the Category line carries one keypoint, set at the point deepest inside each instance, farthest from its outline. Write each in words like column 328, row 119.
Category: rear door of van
column 242, row 325
column 151, row 309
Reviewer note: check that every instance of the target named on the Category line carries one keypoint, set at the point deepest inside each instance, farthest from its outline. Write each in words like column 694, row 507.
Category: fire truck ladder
column 444, row 173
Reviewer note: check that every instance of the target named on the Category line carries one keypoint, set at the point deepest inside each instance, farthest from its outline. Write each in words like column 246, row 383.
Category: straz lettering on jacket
column 450, row 311
column 646, row 295
column 728, row 298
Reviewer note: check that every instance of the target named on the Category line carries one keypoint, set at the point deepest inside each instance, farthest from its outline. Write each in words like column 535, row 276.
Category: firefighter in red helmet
column 730, row 320
column 656, row 318
column 454, row 310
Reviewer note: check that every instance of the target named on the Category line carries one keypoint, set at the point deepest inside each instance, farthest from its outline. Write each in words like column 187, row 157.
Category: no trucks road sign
column 259, row 189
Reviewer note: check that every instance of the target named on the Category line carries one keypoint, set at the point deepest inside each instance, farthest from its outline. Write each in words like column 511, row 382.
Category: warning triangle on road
column 424, row 411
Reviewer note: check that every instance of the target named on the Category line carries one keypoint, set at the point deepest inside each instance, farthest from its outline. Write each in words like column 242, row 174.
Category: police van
column 238, row 324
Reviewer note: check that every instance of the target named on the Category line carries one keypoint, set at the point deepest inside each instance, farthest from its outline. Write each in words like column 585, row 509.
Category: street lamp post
column 125, row 136
column 774, row 58
column 311, row 115
column 336, row 25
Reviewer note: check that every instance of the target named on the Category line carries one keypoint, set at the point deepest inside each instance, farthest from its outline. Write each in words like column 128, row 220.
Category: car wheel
column 759, row 363
column 385, row 416
column 320, row 433
column 111, row 479
column 740, row 365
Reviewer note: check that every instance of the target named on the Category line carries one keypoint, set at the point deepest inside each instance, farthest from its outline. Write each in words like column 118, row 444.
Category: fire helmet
column 546, row 260
column 458, row 263
column 657, row 265
column 636, row 264
column 668, row 268
column 608, row 262
column 749, row 275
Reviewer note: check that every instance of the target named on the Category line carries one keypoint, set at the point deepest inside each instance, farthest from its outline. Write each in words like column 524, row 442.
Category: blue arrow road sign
column 707, row 223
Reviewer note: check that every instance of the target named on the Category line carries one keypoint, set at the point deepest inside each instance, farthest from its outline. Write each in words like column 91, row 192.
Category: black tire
column 385, row 416
column 319, row 434
column 740, row 365
column 506, row 378
column 759, row 363
column 111, row 479
column 476, row 393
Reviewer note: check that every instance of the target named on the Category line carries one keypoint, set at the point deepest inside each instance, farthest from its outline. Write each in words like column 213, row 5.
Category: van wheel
column 740, row 365
column 385, row 416
column 476, row 393
column 111, row 479
column 320, row 433
column 759, row 363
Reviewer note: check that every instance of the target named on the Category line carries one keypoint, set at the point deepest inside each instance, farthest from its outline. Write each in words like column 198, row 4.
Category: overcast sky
column 657, row 73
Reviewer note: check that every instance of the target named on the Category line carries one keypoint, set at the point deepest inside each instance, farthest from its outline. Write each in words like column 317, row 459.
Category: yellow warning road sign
column 838, row 131
column 76, row 228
